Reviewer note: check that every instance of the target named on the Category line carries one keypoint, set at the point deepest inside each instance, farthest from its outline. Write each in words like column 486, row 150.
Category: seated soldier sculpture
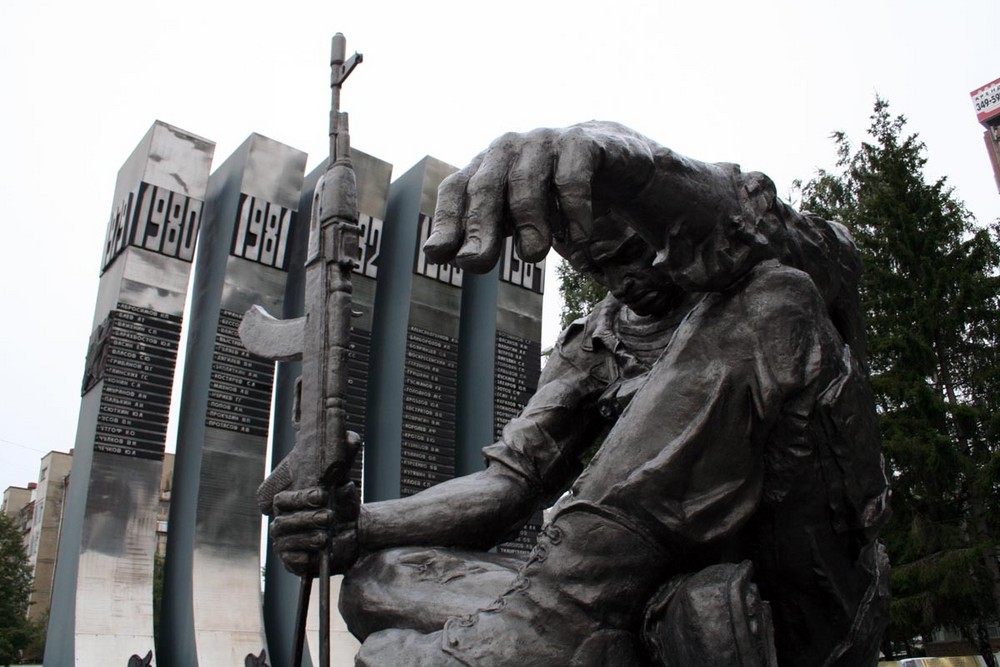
column 731, row 512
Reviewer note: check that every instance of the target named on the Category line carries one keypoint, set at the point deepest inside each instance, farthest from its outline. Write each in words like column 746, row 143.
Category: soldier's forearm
column 472, row 511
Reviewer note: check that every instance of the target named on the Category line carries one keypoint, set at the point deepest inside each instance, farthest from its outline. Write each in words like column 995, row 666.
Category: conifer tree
column 930, row 293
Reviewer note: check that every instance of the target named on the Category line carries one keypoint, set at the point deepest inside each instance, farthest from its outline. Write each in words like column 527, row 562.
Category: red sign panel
column 987, row 101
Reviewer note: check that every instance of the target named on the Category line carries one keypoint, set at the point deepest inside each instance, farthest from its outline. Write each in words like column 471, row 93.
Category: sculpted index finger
column 486, row 206
column 448, row 227
column 530, row 197
column 577, row 162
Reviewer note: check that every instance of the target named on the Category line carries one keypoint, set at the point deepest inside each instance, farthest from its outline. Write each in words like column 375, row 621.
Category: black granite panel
column 429, row 397
column 526, row 538
column 137, row 368
column 240, row 387
column 359, row 349
column 515, row 377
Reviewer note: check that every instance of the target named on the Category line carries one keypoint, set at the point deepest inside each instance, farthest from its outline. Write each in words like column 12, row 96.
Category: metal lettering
column 255, row 226
column 174, row 225
column 117, row 237
column 515, row 271
column 273, row 220
column 189, row 230
column 156, row 219
column 370, row 242
column 153, row 216
column 261, row 232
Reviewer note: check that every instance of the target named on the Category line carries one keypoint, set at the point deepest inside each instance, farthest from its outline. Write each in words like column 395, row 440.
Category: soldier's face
column 621, row 261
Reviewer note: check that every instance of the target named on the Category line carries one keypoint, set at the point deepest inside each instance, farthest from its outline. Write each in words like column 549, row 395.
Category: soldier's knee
column 362, row 598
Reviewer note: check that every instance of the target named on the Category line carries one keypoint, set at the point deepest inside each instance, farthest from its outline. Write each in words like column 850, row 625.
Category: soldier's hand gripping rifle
column 323, row 452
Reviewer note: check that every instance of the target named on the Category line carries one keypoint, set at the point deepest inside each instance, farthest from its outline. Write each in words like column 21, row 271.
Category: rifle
column 322, row 455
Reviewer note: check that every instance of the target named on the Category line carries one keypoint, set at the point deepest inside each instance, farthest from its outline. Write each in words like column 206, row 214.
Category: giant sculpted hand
column 550, row 187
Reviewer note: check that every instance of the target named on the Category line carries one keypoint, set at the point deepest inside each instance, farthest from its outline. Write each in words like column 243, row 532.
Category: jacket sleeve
column 536, row 458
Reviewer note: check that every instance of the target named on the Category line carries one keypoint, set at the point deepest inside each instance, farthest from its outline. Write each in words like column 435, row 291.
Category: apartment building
column 44, row 519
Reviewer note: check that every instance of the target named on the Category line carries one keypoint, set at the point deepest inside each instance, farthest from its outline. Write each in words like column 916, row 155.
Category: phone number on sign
column 987, row 99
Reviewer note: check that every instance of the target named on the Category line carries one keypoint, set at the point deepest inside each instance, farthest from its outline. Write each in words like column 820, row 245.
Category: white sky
column 762, row 84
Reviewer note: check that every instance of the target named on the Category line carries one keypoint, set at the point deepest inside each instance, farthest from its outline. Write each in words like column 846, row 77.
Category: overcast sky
column 762, row 84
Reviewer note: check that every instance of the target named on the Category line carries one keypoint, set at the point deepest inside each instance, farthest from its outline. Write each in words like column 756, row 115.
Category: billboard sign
column 987, row 101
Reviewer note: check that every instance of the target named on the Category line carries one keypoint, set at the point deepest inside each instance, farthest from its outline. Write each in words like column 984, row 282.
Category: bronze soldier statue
column 730, row 515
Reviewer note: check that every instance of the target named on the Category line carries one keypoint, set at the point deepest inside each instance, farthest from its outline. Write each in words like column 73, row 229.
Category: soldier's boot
column 578, row 600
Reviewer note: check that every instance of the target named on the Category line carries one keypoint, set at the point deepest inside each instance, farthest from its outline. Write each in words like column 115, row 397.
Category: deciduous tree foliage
column 930, row 293
column 15, row 587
